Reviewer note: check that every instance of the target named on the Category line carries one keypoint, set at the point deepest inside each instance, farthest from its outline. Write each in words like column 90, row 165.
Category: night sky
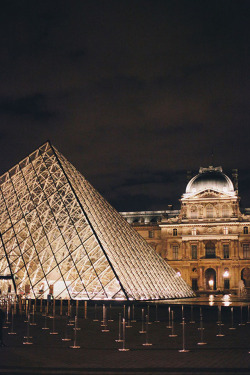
column 133, row 93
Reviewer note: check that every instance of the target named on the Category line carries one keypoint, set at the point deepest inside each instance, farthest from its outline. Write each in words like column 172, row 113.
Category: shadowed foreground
column 98, row 352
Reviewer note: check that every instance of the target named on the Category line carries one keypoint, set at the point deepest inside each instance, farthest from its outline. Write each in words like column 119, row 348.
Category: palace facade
column 207, row 241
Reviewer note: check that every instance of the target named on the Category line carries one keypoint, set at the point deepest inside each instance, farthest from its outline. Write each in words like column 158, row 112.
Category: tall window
column 194, row 284
column 225, row 210
column 194, row 251
column 226, row 284
column 151, row 234
column 175, row 252
column 226, row 251
column 210, row 211
column 210, row 250
column 246, row 251
column 193, row 212
column 245, row 230
column 174, row 232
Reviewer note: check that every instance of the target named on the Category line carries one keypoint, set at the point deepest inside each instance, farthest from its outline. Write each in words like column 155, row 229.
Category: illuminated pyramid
column 58, row 234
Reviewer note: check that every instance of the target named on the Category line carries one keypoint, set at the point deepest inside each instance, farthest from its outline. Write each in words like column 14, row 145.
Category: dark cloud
column 34, row 106
column 77, row 54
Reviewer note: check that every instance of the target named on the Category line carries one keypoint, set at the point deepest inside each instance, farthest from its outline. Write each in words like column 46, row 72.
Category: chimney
column 235, row 179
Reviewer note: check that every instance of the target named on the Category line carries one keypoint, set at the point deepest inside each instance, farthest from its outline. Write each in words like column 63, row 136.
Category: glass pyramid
column 58, row 234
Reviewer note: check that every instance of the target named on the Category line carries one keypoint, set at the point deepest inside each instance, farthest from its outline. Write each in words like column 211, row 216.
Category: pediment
column 209, row 194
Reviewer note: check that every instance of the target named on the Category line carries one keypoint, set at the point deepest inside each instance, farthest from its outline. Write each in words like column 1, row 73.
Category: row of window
column 210, row 211
column 194, row 231
column 210, row 251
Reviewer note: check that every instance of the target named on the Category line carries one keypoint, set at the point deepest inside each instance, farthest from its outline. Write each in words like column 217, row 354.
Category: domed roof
column 210, row 178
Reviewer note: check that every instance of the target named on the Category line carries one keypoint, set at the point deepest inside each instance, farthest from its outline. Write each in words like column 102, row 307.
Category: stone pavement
column 98, row 352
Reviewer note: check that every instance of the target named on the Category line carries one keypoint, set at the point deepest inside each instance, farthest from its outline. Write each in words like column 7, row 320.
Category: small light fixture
column 211, row 283
column 226, row 274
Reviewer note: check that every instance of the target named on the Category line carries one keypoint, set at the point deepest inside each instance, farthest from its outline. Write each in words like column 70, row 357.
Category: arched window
column 210, row 211
column 210, row 277
column 225, row 210
column 193, row 212
column 245, row 276
column 174, row 232
column 245, row 230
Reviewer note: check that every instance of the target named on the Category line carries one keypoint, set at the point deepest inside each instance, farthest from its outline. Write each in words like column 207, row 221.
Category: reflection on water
column 212, row 300
column 226, row 300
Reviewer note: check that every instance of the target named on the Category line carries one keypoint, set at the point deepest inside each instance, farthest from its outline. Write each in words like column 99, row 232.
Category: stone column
column 198, row 250
column 239, row 251
column 218, row 248
column 201, row 278
column 234, row 249
column 183, row 250
column 234, row 278
column 201, row 248
column 219, row 278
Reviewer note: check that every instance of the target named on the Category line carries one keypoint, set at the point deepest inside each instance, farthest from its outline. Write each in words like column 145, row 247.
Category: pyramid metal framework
column 58, row 233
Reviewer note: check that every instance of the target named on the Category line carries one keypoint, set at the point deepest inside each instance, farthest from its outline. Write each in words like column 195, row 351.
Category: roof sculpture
column 56, row 229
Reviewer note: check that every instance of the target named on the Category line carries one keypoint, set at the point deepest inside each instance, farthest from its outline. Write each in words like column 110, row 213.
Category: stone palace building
column 208, row 240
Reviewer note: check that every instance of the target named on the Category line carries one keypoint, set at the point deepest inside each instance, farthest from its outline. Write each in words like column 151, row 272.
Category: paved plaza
column 98, row 351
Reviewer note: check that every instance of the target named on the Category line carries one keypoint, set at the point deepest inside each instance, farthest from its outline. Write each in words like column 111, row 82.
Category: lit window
column 210, row 211
column 226, row 251
column 193, row 231
column 226, row 272
column 225, row 230
column 175, row 252
column 226, row 279
column 194, row 251
column 174, row 232
column 245, row 230
column 151, row 234
column 246, row 251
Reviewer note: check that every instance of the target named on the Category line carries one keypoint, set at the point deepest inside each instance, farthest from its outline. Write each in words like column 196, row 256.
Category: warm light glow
column 226, row 274
column 211, row 283
column 63, row 235
column 226, row 297
column 226, row 300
